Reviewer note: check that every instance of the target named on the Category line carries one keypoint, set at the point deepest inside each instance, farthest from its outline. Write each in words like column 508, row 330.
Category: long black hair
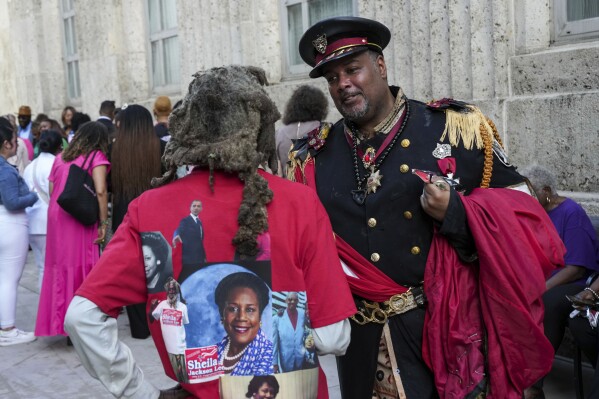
column 50, row 141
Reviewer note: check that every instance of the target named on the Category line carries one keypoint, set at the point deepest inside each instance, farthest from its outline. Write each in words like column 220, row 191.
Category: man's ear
column 382, row 67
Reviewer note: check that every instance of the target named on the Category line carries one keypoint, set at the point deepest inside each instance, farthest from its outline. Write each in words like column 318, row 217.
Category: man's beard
column 357, row 112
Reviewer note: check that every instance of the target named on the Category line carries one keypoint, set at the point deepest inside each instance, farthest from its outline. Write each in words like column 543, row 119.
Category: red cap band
column 341, row 44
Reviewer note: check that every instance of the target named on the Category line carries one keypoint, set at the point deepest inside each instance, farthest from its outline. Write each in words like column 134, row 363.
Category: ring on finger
column 441, row 185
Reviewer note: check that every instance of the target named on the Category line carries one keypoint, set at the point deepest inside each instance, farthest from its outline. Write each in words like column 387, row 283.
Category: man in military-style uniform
column 395, row 176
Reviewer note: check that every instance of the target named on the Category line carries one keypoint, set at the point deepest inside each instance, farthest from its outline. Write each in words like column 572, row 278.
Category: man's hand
column 177, row 392
column 435, row 198
column 176, row 239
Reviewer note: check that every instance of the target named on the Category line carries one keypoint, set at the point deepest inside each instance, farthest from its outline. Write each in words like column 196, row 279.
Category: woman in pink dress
column 72, row 248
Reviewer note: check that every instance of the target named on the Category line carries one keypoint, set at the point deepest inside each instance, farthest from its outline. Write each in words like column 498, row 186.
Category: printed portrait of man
column 172, row 314
column 190, row 234
column 292, row 340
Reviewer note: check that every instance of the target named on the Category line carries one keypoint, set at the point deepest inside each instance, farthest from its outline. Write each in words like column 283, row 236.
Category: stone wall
column 498, row 54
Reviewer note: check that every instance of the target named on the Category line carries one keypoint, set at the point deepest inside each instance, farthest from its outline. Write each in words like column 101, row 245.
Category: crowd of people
column 114, row 150
column 406, row 243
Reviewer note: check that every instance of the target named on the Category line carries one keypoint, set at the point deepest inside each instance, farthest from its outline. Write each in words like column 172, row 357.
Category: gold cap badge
column 320, row 43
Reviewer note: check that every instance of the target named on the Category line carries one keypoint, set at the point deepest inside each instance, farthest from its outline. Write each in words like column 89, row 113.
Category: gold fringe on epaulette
column 292, row 165
column 474, row 130
column 295, row 163
column 464, row 126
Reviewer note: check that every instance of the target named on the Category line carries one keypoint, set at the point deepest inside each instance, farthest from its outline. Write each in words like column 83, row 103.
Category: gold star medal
column 373, row 182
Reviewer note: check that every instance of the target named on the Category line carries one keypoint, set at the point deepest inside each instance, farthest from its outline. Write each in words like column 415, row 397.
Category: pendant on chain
column 369, row 157
column 359, row 196
column 374, row 181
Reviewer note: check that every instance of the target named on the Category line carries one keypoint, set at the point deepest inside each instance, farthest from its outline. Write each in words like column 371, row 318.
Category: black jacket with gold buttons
column 390, row 229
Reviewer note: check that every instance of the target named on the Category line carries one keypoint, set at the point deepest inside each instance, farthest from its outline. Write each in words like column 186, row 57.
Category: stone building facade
column 528, row 67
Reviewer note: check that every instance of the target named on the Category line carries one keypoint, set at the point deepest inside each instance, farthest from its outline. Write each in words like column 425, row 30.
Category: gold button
column 404, row 168
column 375, row 257
column 415, row 250
column 371, row 222
column 405, row 143
column 407, row 215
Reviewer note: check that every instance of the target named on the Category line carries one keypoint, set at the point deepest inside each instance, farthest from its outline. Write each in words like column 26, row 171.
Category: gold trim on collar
column 391, row 120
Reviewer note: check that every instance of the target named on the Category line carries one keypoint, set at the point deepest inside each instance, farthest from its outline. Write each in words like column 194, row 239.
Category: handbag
column 79, row 197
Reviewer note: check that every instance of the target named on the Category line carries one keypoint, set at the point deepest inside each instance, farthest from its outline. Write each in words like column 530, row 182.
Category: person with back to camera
column 263, row 387
column 245, row 350
column 581, row 260
column 72, row 249
column 135, row 160
column 404, row 184
column 36, row 175
column 162, row 110
column 15, row 196
column 307, row 107
column 225, row 127
column 107, row 110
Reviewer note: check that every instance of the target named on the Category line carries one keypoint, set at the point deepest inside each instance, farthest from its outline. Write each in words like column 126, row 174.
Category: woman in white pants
column 14, row 198
column 36, row 175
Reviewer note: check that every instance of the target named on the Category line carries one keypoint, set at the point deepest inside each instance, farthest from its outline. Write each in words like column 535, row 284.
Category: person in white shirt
column 36, row 175
column 173, row 316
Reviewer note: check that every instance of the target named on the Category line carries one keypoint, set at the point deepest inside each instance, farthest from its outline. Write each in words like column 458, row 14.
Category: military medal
column 442, row 151
column 373, row 181
column 369, row 157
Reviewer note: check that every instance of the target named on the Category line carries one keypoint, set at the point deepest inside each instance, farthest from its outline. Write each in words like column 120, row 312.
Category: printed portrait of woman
column 157, row 260
column 263, row 387
column 245, row 350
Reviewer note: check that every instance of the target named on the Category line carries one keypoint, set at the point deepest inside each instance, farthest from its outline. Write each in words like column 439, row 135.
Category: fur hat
column 226, row 122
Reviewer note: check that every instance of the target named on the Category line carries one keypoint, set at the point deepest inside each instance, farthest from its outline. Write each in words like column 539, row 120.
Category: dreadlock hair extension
column 91, row 136
column 226, row 122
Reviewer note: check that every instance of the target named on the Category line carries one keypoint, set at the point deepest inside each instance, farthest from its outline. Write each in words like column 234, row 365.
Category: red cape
column 501, row 296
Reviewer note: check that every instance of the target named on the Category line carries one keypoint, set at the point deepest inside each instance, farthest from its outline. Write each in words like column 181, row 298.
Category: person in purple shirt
column 581, row 260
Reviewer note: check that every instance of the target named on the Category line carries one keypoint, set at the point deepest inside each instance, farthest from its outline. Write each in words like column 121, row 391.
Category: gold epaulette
column 475, row 130
column 465, row 125
column 294, row 164
column 301, row 151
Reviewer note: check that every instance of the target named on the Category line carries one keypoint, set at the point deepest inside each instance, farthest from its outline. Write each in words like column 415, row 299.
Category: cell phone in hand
column 581, row 303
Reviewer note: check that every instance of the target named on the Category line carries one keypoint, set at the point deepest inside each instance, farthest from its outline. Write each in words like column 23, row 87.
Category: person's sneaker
column 15, row 336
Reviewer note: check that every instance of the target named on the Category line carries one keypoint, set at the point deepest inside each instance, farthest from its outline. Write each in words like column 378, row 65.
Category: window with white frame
column 70, row 45
column 297, row 16
column 164, row 43
column 576, row 19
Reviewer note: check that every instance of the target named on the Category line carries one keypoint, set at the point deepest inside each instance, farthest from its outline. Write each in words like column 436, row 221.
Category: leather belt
column 379, row 312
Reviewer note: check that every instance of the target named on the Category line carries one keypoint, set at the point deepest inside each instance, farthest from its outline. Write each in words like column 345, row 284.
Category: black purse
column 79, row 197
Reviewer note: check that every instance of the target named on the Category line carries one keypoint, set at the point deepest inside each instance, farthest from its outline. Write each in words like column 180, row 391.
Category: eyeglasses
column 24, row 116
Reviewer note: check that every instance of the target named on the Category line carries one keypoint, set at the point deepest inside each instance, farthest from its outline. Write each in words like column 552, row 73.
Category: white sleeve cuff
column 332, row 339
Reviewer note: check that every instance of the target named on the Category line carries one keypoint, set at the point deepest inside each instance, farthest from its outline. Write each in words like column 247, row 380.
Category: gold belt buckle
column 398, row 302
column 372, row 312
